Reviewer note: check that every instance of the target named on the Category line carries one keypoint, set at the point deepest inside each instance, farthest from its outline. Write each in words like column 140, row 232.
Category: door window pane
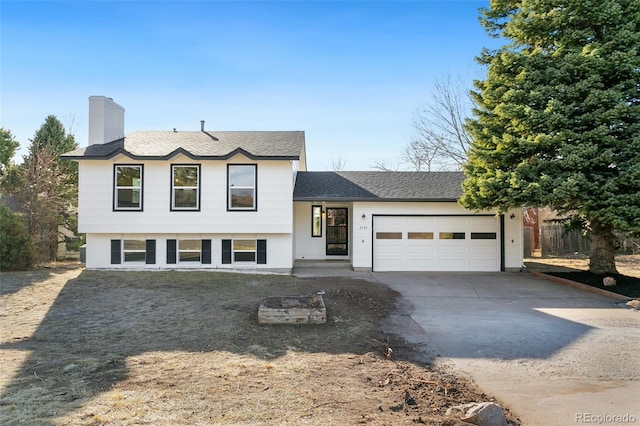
column 316, row 221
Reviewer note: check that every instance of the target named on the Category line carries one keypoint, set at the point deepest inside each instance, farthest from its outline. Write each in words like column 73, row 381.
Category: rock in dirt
column 70, row 367
column 635, row 304
column 479, row 413
column 609, row 281
column 408, row 399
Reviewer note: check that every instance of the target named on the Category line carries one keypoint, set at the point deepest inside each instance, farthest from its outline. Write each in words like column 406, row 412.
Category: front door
column 337, row 232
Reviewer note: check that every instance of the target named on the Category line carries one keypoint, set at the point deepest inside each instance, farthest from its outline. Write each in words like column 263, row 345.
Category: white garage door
column 436, row 243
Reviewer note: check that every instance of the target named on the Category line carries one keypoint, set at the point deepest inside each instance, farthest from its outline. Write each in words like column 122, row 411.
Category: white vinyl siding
column 275, row 214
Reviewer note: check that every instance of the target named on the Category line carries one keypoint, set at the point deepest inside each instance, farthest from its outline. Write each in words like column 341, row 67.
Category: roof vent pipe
column 202, row 125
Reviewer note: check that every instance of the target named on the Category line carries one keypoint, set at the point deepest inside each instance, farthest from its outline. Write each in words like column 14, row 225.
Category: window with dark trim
column 452, row 236
column 127, row 187
column 133, row 251
column 189, row 250
column 316, row 221
column 242, row 184
column 244, row 251
column 185, row 187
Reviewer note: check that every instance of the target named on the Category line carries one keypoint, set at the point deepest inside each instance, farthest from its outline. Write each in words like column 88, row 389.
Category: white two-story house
column 244, row 200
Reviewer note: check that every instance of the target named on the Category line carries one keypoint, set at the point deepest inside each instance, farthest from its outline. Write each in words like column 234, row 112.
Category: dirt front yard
column 121, row 348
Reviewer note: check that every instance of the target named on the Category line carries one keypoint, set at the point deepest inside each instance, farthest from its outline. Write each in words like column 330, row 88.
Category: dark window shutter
column 116, row 257
column 226, row 251
column 171, row 251
column 262, row 252
column 151, row 252
column 206, row 251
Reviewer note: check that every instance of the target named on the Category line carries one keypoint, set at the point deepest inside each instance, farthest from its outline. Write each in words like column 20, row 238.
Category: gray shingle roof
column 378, row 186
column 213, row 145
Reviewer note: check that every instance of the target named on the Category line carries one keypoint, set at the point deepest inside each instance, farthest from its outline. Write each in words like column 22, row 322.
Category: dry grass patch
column 160, row 348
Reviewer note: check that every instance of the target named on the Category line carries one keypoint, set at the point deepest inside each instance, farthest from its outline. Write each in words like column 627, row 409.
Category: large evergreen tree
column 557, row 121
column 53, row 135
column 8, row 147
column 46, row 187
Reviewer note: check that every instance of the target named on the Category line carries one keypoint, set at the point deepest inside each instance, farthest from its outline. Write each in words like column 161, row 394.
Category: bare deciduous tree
column 442, row 136
column 441, row 142
column 337, row 164
column 421, row 155
column 43, row 190
column 386, row 166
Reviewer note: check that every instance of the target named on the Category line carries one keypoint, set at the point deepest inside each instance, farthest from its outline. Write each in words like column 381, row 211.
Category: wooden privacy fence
column 556, row 240
column 527, row 241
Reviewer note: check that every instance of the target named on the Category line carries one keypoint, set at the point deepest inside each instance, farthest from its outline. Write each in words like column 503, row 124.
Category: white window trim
column 234, row 251
column 116, row 187
column 143, row 250
column 173, row 188
column 178, row 251
column 252, row 188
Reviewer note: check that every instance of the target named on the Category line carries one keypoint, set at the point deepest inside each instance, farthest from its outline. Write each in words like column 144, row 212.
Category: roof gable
column 378, row 186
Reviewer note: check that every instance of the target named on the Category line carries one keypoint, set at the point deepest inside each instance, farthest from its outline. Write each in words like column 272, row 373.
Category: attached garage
column 436, row 243
column 402, row 221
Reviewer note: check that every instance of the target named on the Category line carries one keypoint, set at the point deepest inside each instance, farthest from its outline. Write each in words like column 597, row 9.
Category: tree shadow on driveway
column 491, row 315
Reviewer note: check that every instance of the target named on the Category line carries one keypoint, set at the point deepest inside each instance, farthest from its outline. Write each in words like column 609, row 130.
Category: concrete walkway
column 555, row 355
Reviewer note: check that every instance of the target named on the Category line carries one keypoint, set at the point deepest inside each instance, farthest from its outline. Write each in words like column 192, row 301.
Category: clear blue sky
column 350, row 74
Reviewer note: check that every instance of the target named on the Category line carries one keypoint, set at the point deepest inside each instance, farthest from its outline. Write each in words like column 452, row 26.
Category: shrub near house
column 15, row 242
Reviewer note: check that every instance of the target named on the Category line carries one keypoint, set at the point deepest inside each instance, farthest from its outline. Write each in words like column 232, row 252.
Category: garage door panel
column 483, row 224
column 420, row 222
column 453, row 221
column 390, row 265
column 483, row 266
column 420, row 264
column 458, row 264
column 390, row 222
column 445, row 250
column 422, row 247
column 482, row 251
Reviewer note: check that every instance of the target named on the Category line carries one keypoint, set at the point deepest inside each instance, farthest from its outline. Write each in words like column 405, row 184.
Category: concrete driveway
column 555, row 355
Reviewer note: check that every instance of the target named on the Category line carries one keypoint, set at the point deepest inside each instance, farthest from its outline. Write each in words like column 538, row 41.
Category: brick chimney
column 106, row 120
